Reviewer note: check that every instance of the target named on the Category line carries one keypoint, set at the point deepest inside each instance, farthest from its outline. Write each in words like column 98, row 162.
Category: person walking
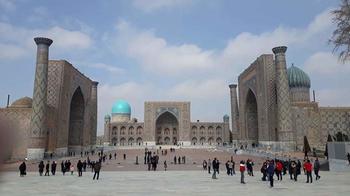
column 63, row 169
column 264, row 171
column 41, row 168
column 209, row 165
column 317, row 168
column 53, row 167
column 279, row 168
column 215, row 168
column 271, row 171
column 165, row 165
column 47, row 171
column 80, row 168
column 71, row 169
column 308, row 169
column 22, row 169
column 97, row 169
column 242, row 170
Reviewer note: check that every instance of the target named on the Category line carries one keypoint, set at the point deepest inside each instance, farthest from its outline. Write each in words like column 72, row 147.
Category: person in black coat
column 47, row 171
column 97, row 169
column 80, row 168
column 23, row 169
column 53, row 167
column 63, row 169
column 41, row 168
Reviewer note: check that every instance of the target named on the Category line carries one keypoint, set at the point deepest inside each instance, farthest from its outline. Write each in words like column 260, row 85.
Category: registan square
column 174, row 97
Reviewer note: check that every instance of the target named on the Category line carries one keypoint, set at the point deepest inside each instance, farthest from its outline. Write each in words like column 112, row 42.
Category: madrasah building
column 271, row 109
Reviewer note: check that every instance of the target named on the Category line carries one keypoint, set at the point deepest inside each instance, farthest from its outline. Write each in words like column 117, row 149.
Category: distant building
column 166, row 123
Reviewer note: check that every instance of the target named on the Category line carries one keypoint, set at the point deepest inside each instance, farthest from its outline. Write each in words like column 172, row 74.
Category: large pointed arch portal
column 252, row 116
column 76, row 121
column 167, row 129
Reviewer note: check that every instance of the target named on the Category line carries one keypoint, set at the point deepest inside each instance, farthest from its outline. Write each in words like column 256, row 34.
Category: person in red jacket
column 242, row 170
column 308, row 169
column 279, row 168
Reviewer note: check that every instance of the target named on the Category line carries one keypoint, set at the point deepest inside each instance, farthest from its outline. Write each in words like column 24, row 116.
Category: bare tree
column 341, row 36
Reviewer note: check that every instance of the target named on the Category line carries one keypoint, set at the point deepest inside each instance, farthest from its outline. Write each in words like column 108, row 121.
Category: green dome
column 226, row 116
column 121, row 107
column 297, row 77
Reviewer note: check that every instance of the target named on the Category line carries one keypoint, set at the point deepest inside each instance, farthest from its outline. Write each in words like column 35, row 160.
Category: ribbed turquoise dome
column 297, row 77
column 121, row 107
column 226, row 116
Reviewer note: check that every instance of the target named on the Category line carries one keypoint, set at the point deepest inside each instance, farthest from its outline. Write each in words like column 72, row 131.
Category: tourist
column 271, row 171
column 53, row 168
column 264, row 171
column 124, row 156
column 233, row 167
column 204, row 164
column 97, row 169
column 179, row 160
column 175, row 160
column 22, row 169
column 227, row 168
column 317, row 168
column 298, row 168
column 47, row 171
column 84, row 165
column 63, row 169
column 279, row 168
column 165, row 165
column 348, row 155
column 110, row 156
column 41, row 168
column 290, row 169
column 80, row 168
column 93, row 165
column 71, row 169
column 294, row 169
column 209, row 165
column 308, row 168
column 115, row 156
column 242, row 170
column 215, row 164
column 230, row 167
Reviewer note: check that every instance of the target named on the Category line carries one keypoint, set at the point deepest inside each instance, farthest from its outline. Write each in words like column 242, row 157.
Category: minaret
column 284, row 116
column 234, row 111
column 93, row 113
column 38, row 127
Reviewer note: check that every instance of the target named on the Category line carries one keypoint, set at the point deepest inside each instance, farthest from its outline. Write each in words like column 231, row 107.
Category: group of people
column 152, row 160
column 67, row 166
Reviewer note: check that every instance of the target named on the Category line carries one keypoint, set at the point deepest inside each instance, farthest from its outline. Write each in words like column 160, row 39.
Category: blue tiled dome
column 121, row 107
column 297, row 77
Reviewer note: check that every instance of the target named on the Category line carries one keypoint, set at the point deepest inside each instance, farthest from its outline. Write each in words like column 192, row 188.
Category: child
column 71, row 169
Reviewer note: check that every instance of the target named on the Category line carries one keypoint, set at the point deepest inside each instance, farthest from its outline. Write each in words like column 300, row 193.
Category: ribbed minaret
column 284, row 116
column 234, row 111
column 38, row 127
column 94, row 112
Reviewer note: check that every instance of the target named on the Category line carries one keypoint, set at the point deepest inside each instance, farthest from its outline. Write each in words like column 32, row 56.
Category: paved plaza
column 168, row 183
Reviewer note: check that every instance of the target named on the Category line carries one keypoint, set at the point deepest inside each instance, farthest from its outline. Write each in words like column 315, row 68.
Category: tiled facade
column 167, row 123
column 276, row 115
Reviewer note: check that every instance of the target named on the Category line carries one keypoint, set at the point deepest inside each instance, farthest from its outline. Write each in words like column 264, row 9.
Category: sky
column 170, row 50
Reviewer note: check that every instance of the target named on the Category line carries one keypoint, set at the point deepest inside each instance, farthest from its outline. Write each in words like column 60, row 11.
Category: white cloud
column 335, row 97
column 152, row 5
column 109, row 68
column 19, row 41
column 325, row 63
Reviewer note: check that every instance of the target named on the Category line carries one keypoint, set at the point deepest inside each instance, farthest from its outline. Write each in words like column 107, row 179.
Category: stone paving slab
column 168, row 183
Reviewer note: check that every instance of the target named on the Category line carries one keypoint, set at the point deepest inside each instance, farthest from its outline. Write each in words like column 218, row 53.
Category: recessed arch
column 76, row 120
column 251, row 108
column 166, row 122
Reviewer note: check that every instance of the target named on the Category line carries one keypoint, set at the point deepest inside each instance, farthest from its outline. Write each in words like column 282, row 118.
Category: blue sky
column 143, row 50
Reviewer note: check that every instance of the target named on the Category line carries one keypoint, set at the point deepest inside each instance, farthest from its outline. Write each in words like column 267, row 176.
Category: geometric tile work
column 283, row 102
column 334, row 120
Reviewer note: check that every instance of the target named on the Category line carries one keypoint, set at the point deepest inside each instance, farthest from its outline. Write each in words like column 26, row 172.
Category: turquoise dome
column 107, row 116
column 226, row 116
column 297, row 77
column 121, row 107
